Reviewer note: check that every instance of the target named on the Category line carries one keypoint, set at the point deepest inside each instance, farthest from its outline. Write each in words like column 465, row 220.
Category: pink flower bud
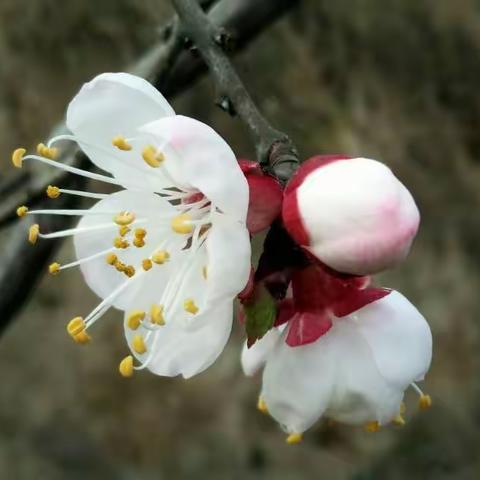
column 352, row 214
column 265, row 202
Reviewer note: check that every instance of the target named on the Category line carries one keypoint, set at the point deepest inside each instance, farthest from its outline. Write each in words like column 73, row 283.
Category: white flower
column 353, row 214
column 356, row 373
column 171, row 249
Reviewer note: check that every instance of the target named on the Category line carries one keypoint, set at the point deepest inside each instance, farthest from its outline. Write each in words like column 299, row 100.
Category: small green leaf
column 260, row 313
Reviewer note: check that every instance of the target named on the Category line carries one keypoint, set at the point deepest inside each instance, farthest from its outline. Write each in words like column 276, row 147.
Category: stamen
column 53, row 192
column 262, row 405
column 124, row 218
column 82, row 338
column 54, row 268
column 75, row 231
column 425, row 401
column 59, row 138
column 190, row 307
column 123, row 230
column 121, row 143
column 126, row 367
column 33, row 233
column 372, row 427
column 119, row 242
column 140, row 232
column 138, row 344
column 18, row 157
column 129, row 271
column 147, row 264
column 75, row 326
column 152, row 156
column 139, row 242
column 79, row 193
column 160, row 256
column 83, row 260
column 22, row 211
column 135, row 318
column 111, row 259
column 47, row 152
column 71, row 212
column 156, row 314
column 399, row 420
column 182, row 223
column 294, row 438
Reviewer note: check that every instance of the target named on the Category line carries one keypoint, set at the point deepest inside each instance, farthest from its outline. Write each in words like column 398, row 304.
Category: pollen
column 129, row 271
column 425, row 402
column 146, row 264
column 54, row 268
column 182, row 223
column 121, row 143
column 156, row 314
column 135, row 318
column 44, row 151
column 294, row 438
column 372, row 427
column 17, row 157
column 53, row 192
column 82, row 338
column 152, row 156
column 190, row 307
column 262, row 405
column 139, row 242
column 160, row 257
column 138, row 344
column 111, row 259
column 119, row 242
column 22, row 211
column 124, row 218
column 140, row 232
column 205, row 272
column 75, row 326
column 123, row 230
column 33, row 232
column 126, row 367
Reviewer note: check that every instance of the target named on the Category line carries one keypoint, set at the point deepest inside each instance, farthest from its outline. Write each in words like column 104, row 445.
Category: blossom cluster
column 170, row 248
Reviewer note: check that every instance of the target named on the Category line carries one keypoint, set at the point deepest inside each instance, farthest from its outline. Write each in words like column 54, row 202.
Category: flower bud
column 352, row 214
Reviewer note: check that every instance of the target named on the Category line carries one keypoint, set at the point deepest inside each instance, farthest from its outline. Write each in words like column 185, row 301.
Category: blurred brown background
column 396, row 80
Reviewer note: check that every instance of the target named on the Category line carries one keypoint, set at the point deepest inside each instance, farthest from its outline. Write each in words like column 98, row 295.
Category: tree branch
column 275, row 150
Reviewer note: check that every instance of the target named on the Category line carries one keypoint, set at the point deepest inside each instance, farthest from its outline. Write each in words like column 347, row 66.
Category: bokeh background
column 395, row 80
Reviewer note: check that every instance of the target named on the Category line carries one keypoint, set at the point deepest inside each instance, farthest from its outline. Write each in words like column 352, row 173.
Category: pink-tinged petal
column 307, row 327
column 265, row 202
column 357, row 299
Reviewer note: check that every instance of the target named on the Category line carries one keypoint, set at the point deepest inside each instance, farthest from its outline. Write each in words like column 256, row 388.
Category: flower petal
column 102, row 278
column 255, row 357
column 399, row 337
column 198, row 157
column 177, row 351
column 117, row 104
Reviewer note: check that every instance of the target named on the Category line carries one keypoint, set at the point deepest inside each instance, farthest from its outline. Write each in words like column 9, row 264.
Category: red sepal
column 306, row 327
column 357, row 299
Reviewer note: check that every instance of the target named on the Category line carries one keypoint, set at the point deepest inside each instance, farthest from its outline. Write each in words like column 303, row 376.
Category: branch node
column 224, row 40
column 226, row 105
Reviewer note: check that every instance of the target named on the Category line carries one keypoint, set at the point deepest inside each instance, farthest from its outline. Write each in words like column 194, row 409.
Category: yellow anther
column 119, row 242
column 139, row 242
column 152, row 156
column 182, row 223
column 121, row 143
column 22, row 211
column 75, row 326
column 47, row 152
column 138, row 344
column 205, row 272
column 123, row 230
column 146, row 264
column 124, row 218
column 129, row 271
column 425, row 402
column 126, row 367
column 399, row 420
column 82, row 338
column 372, row 427
column 135, row 318
column 17, row 157
column 54, row 268
column 111, row 259
column 120, row 266
column 156, row 314
column 160, row 256
column 262, row 405
column 33, row 232
column 140, row 232
column 53, row 192
column 294, row 438
column 189, row 306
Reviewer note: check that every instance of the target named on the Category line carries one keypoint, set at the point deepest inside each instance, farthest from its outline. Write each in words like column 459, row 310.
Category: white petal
column 196, row 156
column 229, row 258
column 399, row 337
column 103, row 278
column 255, row 357
column 184, row 352
column 117, row 104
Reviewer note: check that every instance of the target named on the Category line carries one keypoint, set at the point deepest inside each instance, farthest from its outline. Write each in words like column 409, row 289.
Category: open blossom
column 356, row 373
column 171, row 248
column 352, row 214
